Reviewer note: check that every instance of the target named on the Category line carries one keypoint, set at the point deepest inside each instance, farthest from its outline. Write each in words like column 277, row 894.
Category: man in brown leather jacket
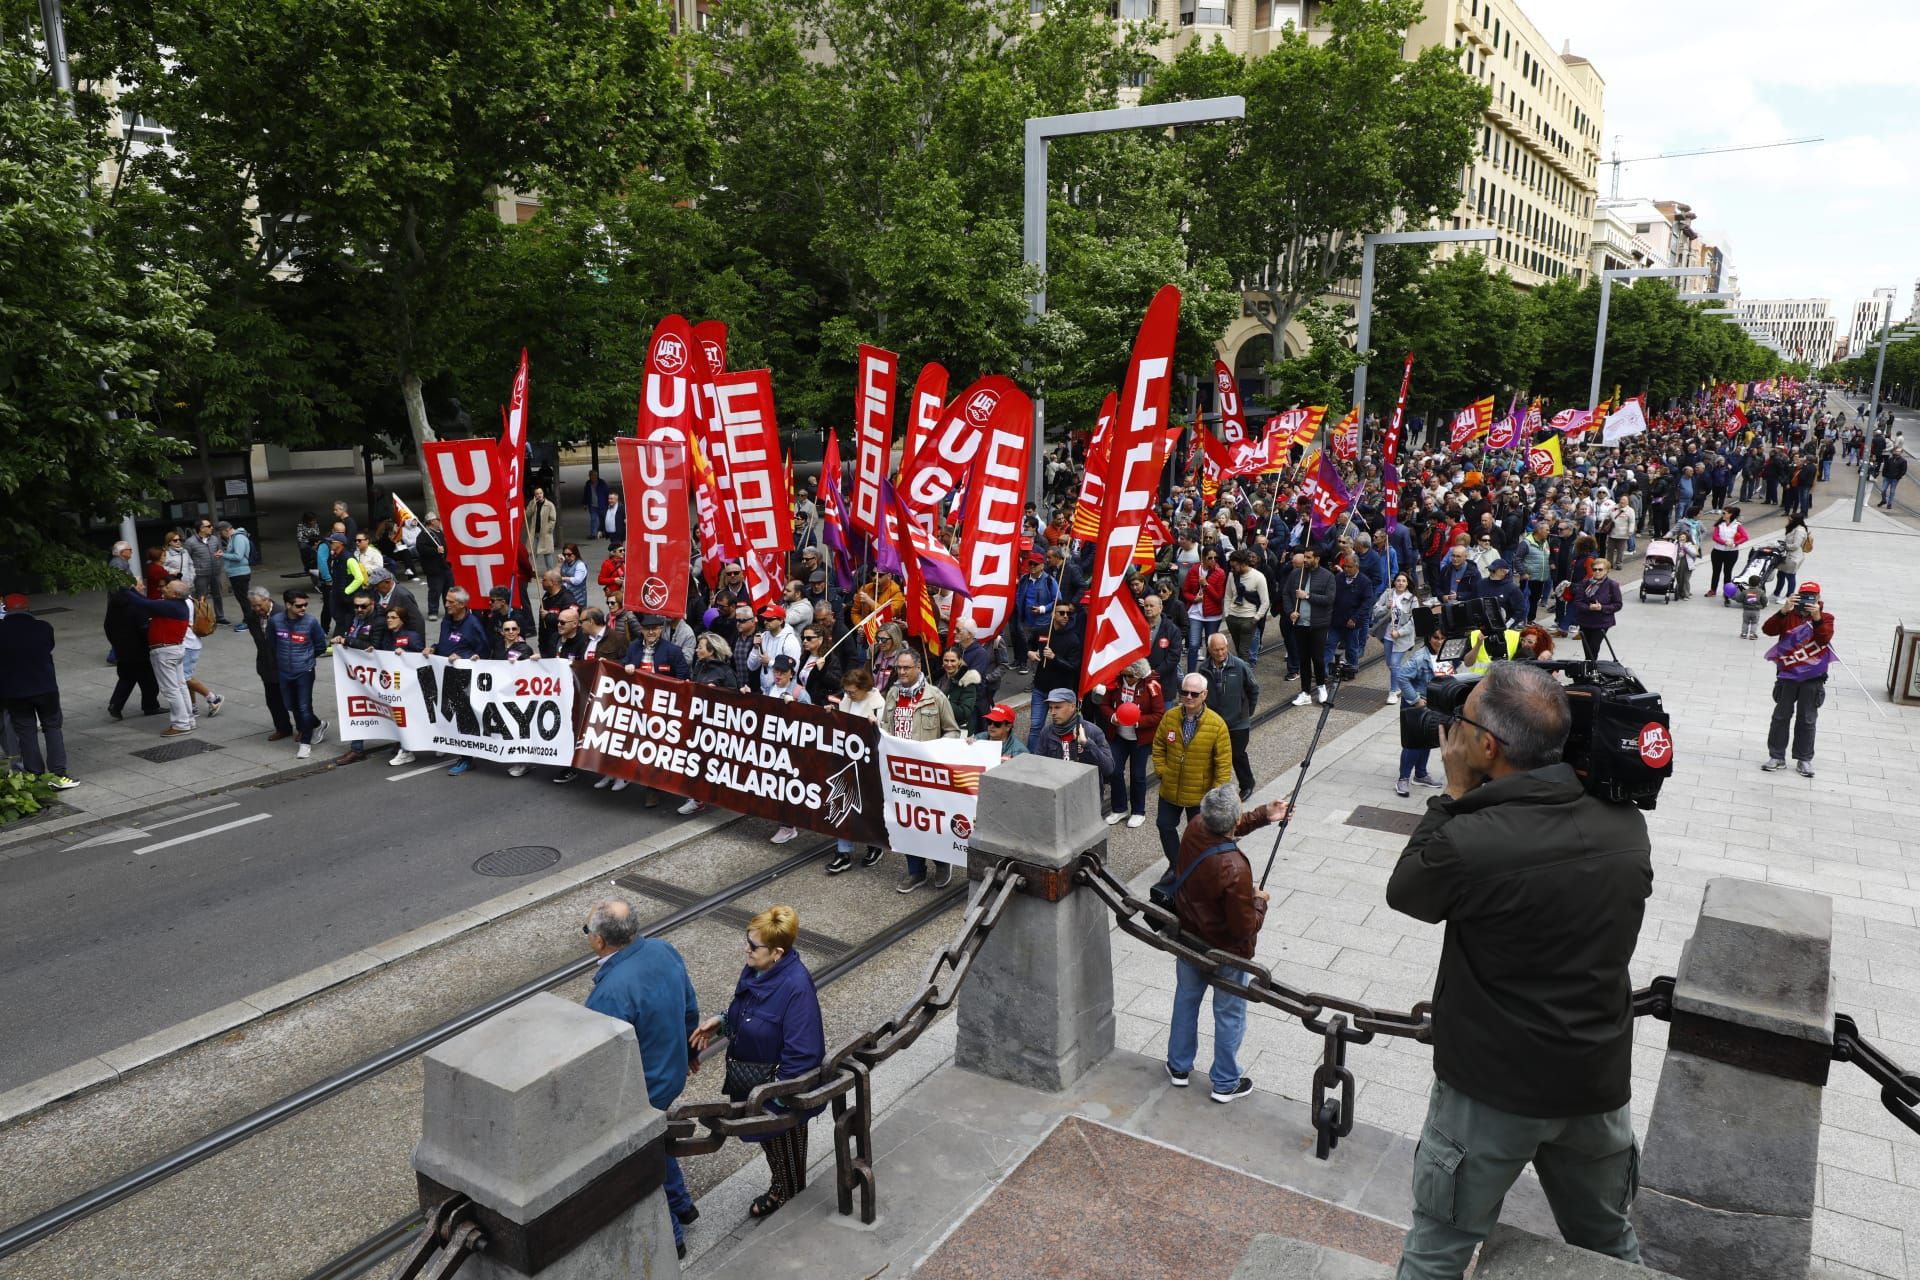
column 1214, row 895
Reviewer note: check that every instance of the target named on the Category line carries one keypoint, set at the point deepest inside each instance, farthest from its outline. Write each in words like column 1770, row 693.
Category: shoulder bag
column 1163, row 893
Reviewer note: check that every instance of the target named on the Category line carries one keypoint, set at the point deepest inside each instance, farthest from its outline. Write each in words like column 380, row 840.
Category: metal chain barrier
column 1899, row 1090
column 449, row 1231
column 844, row 1079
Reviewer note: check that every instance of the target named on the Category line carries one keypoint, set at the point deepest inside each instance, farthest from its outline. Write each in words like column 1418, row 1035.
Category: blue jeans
column 1259, row 634
column 678, row 1200
column 1826, row 468
column 1785, row 583
column 1130, row 774
column 1354, row 643
column 1886, row 491
column 1168, row 817
column 1229, row 1025
column 1036, row 717
column 296, row 692
column 1198, row 629
column 1413, row 760
column 1396, row 660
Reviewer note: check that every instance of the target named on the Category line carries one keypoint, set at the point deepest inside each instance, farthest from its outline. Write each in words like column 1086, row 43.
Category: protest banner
column 469, row 486
column 659, row 537
column 1086, row 509
column 754, row 488
column 923, row 411
column 670, row 402
column 933, row 794
column 1631, row 420
column 944, row 459
column 1345, row 437
column 712, row 337
column 997, row 495
column 801, row 766
column 1233, row 414
column 512, row 712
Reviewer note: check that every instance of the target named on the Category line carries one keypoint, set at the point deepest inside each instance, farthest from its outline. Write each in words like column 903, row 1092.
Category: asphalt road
column 103, row 943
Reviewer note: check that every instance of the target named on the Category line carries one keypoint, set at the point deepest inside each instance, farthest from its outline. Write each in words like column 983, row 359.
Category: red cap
column 1001, row 713
column 774, row 611
column 16, row 602
column 1806, row 588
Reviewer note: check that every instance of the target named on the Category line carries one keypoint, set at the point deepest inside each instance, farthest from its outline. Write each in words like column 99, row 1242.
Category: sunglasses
column 1189, row 693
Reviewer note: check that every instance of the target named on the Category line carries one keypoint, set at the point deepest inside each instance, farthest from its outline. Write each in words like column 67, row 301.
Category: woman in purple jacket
column 774, row 1033
column 1595, row 602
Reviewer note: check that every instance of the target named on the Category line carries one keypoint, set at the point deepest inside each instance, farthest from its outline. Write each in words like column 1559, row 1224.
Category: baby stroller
column 1760, row 559
column 1658, row 575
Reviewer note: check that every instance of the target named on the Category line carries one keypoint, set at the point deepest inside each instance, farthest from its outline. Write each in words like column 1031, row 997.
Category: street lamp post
column 1606, row 301
column 1873, row 418
column 1040, row 131
column 1363, row 332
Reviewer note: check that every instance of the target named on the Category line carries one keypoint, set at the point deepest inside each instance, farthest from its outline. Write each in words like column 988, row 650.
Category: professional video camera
column 1461, row 618
column 1620, row 742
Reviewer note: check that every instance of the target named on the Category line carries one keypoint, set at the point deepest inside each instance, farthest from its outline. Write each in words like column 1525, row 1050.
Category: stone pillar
column 540, row 1115
column 1727, row 1178
column 1037, row 1007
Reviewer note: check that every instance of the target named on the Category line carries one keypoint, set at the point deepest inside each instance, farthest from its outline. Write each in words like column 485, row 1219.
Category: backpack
column 253, row 549
column 1163, row 893
column 203, row 623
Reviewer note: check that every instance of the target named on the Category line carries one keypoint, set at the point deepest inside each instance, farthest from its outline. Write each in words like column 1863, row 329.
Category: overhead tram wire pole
column 1606, row 300
column 1040, row 131
column 1363, row 331
column 1879, row 369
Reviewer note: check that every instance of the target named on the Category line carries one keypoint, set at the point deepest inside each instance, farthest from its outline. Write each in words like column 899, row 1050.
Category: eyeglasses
column 363, row 608
column 1193, row 693
column 1461, row 717
column 753, row 946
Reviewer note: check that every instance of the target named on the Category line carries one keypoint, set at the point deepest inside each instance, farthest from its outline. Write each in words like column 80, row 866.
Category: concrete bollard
column 540, row 1115
column 1037, row 1007
column 1727, row 1178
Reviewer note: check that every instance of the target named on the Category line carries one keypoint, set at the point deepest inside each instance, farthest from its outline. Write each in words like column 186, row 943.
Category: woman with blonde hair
column 774, row 1032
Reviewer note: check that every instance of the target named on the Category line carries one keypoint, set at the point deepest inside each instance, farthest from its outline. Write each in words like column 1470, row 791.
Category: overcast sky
column 1835, row 219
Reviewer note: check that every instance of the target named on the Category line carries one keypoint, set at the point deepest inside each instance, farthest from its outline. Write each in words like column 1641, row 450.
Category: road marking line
column 122, row 835
column 415, row 773
column 218, row 808
column 210, row 831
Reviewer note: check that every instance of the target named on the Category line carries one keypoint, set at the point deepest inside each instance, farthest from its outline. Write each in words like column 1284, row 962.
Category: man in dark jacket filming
column 1542, row 887
column 1215, row 898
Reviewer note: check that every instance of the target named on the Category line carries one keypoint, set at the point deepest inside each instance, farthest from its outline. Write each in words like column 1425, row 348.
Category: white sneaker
column 785, row 834
column 1115, row 819
column 1305, row 699
column 518, row 771
column 400, row 758
column 691, row 806
column 1320, row 694
column 305, row 751
column 603, row 784
column 1137, row 820
column 619, row 784
column 1393, row 699
column 320, row 733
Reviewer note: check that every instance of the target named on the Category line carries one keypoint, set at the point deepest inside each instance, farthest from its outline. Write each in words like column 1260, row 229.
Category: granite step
column 1272, row 1257
column 1513, row 1254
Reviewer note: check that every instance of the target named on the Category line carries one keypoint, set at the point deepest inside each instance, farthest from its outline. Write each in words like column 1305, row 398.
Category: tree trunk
column 422, row 432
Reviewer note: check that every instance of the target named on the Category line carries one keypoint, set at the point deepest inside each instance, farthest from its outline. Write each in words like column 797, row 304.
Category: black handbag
column 1167, row 887
column 743, row 1077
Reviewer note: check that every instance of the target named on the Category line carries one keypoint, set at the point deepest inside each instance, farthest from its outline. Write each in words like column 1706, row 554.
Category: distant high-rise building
column 1803, row 326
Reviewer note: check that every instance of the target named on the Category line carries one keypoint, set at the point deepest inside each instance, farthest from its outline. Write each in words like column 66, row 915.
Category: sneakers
column 691, row 806
column 1393, row 699
column 603, row 784
column 1305, row 699
column 214, row 702
column 1137, row 820
column 1773, row 766
column 785, row 834
column 944, row 876
column 61, row 782
column 517, row 771
column 1178, row 1079
column 459, row 767
column 1320, row 695
column 1428, row 780
column 400, row 758
column 1115, row 819
column 873, row 855
column 239, row 627
column 1804, row 768
column 305, row 752
column 840, row 862
column 566, row 775
column 350, row 757
column 1400, row 787
column 320, row 732
column 908, row 883
column 619, row 785
column 1236, row 1093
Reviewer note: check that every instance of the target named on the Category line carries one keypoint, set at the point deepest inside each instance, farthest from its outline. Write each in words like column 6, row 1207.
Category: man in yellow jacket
column 1192, row 754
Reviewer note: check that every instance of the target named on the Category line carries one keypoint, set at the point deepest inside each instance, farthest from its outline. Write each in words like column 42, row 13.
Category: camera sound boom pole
column 1342, row 671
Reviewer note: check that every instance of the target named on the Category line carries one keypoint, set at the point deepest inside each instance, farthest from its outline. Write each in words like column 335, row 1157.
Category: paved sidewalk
column 1847, row 833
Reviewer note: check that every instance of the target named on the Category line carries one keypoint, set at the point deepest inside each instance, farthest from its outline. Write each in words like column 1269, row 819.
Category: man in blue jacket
column 297, row 644
column 644, row 982
column 1352, row 603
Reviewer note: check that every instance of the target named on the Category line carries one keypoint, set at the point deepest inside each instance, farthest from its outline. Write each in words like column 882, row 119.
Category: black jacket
column 26, row 657
column 1542, row 888
column 1320, row 588
column 1232, row 691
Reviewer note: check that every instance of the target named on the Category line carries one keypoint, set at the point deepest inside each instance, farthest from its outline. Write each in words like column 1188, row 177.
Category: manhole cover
column 1398, row 821
column 520, row 860
column 176, row 750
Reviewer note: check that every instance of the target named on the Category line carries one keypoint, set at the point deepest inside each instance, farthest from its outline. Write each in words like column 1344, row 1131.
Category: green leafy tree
column 1343, row 136
column 1323, row 373
column 88, row 336
column 1466, row 326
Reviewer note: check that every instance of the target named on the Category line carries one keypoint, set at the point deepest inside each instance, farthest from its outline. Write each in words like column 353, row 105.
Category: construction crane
column 1617, row 162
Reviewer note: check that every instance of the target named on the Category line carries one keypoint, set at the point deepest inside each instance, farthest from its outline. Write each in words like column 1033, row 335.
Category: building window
column 1262, row 15
column 143, row 129
column 1203, row 13
column 1132, row 10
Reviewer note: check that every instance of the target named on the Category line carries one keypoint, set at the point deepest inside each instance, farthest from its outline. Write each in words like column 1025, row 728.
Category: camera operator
column 1800, row 659
column 1542, row 887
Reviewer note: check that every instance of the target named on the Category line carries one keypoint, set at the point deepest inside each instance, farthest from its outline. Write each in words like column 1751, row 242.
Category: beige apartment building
column 1533, row 177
